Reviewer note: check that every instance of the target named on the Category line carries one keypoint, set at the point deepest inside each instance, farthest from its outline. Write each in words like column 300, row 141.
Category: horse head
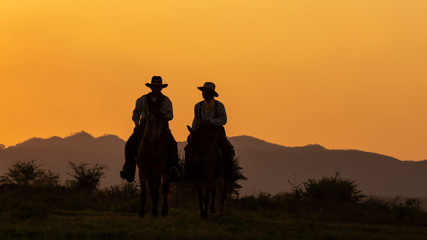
column 201, row 147
column 152, row 146
column 200, row 138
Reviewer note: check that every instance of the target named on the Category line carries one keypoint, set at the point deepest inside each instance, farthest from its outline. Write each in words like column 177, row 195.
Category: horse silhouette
column 204, row 168
column 151, row 163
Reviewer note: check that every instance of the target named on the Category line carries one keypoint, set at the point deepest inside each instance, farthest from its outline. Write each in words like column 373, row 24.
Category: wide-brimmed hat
column 156, row 81
column 209, row 86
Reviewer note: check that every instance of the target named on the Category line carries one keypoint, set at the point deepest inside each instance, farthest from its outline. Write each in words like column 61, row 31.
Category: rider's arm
column 167, row 110
column 221, row 118
column 136, row 115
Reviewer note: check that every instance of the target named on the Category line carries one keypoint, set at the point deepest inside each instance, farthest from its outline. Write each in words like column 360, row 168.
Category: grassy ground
column 186, row 224
column 329, row 208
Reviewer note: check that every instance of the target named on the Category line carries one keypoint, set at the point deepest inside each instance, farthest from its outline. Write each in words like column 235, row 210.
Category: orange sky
column 340, row 73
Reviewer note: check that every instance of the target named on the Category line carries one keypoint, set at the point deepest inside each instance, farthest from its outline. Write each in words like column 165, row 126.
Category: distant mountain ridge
column 54, row 153
column 268, row 166
column 270, row 169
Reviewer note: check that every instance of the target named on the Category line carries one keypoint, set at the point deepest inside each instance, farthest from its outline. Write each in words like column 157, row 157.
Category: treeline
column 27, row 191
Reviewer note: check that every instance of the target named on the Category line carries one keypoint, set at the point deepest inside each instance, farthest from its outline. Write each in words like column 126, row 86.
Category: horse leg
column 165, row 200
column 213, row 196
column 225, row 186
column 142, row 199
column 206, row 203
column 154, row 192
column 209, row 184
column 201, row 205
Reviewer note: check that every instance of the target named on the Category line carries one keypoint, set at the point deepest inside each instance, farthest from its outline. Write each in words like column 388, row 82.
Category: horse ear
column 189, row 129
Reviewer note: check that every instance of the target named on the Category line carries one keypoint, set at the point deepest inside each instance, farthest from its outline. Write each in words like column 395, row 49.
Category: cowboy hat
column 156, row 81
column 209, row 86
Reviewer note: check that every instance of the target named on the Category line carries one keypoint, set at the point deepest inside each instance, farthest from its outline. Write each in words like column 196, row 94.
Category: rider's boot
column 174, row 173
column 129, row 168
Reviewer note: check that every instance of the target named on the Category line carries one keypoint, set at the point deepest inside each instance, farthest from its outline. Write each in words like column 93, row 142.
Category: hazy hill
column 268, row 166
column 55, row 153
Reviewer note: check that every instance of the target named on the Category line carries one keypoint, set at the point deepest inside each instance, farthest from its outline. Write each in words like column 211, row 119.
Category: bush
column 235, row 186
column 330, row 189
column 335, row 199
column 86, row 177
column 27, row 173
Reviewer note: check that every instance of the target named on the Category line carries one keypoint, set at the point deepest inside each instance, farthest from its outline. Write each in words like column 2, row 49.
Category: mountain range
column 269, row 167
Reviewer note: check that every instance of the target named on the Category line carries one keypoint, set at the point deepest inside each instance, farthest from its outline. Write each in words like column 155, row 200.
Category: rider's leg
column 131, row 151
column 130, row 148
column 128, row 171
column 227, row 151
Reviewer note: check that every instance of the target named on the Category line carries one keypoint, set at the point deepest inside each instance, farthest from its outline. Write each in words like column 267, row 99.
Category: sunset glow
column 344, row 74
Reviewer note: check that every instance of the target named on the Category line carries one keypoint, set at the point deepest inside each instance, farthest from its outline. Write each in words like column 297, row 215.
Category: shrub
column 331, row 189
column 235, row 187
column 85, row 176
column 27, row 173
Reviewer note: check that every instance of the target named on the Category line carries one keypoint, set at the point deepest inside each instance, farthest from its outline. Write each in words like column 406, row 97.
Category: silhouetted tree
column 2, row 146
column 27, row 173
column 86, row 176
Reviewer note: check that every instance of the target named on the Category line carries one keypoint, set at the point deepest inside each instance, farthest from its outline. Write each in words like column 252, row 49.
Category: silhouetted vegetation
column 235, row 186
column 328, row 199
column 336, row 198
column 326, row 190
column 85, row 176
column 27, row 173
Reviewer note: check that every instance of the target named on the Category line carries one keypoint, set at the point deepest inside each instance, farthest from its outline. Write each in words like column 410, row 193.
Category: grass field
column 186, row 224
column 326, row 208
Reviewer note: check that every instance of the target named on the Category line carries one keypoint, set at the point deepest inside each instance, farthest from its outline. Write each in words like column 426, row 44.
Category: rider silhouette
column 151, row 103
column 210, row 113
